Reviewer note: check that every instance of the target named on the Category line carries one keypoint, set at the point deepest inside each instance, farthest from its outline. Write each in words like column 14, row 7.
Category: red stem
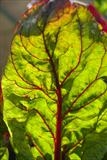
column 58, row 126
column 98, row 17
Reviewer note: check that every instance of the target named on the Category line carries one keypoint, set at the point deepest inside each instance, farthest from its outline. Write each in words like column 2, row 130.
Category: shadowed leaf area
column 55, row 85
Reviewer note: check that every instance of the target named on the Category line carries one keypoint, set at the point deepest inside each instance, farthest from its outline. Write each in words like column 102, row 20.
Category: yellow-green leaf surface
column 55, row 85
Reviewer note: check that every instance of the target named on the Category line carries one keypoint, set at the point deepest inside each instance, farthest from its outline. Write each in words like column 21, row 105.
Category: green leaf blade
column 55, row 75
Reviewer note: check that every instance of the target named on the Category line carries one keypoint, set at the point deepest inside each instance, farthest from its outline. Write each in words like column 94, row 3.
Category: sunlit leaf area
column 53, row 95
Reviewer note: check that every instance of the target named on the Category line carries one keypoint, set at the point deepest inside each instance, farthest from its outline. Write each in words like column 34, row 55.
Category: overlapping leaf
column 57, row 69
column 3, row 129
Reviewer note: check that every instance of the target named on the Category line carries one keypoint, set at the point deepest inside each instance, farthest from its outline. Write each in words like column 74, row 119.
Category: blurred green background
column 11, row 11
column 102, row 6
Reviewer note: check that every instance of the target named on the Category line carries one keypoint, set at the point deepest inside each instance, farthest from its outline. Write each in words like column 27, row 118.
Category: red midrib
column 57, row 154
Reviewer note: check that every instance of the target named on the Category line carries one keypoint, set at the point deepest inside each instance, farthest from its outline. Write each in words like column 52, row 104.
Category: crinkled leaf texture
column 55, row 85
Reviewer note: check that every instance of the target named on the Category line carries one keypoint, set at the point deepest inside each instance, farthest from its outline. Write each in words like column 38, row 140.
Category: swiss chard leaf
column 54, row 85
